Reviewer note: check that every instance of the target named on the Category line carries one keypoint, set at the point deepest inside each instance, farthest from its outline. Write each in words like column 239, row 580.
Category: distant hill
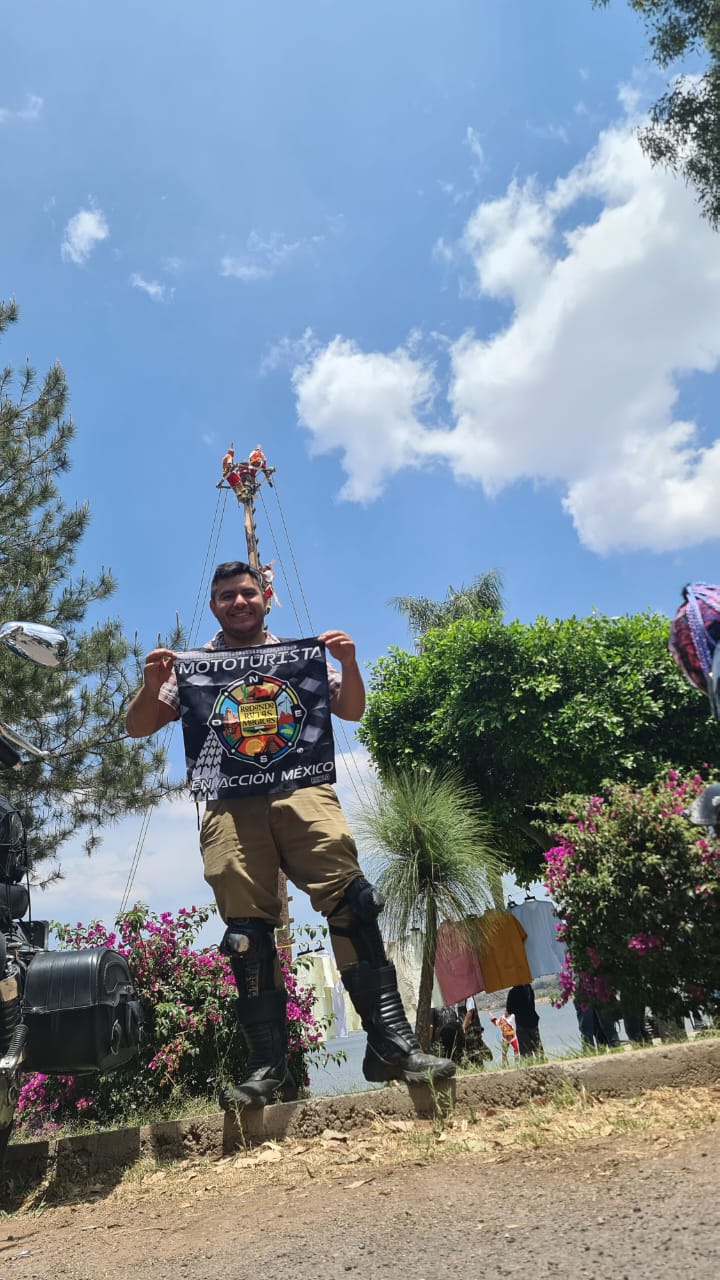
column 544, row 988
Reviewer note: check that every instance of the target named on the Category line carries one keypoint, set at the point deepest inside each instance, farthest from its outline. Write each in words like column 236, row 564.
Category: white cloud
column 31, row 111
column 240, row 270
column 550, row 132
column 367, row 405
column 355, row 769
column 265, row 256
column 83, row 232
column 474, row 145
column 169, row 873
column 289, row 351
column 158, row 292
column 607, row 311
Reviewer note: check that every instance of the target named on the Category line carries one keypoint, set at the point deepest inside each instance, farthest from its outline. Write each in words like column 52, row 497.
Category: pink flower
column 644, row 942
column 556, row 864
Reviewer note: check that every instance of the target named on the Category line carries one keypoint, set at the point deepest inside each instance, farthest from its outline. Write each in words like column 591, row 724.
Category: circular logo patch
column 258, row 719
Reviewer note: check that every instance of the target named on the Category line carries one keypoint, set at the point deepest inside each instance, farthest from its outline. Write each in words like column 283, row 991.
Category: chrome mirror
column 714, row 684
column 32, row 640
column 705, row 808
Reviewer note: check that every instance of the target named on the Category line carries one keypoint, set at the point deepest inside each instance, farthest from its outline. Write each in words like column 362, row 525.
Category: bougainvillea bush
column 191, row 1042
column 638, row 891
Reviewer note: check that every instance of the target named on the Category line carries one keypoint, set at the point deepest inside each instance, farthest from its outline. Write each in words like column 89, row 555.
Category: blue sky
column 412, row 249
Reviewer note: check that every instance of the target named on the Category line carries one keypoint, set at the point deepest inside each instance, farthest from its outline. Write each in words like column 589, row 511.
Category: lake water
column 558, row 1031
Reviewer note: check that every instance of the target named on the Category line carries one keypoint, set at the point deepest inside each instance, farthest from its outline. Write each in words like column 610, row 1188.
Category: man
column 476, row 1051
column 245, row 841
column 446, row 1032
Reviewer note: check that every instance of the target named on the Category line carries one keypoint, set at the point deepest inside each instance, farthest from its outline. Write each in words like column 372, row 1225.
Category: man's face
column 239, row 607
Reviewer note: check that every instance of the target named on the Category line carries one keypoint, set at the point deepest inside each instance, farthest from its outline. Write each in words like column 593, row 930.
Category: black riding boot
column 393, row 1051
column 261, row 1008
column 267, row 1078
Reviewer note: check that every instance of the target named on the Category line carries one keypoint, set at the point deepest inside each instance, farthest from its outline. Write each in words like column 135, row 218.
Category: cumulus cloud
column 367, row 404
column 86, row 229
column 31, row 111
column 611, row 283
column 158, row 292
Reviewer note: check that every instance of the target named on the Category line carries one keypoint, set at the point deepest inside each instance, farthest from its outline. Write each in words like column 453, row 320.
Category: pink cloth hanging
column 457, row 967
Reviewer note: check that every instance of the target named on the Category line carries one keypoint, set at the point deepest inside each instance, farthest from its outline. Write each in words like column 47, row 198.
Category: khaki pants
column 245, row 842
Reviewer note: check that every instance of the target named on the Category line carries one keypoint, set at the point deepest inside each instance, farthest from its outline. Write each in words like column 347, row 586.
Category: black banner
column 256, row 721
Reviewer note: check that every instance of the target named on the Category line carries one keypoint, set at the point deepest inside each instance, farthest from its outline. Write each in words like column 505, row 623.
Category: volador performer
column 299, row 829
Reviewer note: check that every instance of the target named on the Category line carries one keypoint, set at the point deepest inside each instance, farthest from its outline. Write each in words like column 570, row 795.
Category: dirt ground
column 570, row 1188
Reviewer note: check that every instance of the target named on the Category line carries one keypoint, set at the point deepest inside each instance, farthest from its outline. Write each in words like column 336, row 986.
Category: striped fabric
column 695, row 631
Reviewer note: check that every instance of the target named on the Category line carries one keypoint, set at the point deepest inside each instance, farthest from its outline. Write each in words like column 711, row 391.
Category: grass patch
column 566, row 1119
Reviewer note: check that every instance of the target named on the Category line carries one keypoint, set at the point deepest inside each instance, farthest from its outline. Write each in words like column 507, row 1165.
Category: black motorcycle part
column 81, row 1012
column 9, row 1018
column 14, row 902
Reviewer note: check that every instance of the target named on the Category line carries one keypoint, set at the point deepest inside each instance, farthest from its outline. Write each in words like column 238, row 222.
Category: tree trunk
column 427, row 973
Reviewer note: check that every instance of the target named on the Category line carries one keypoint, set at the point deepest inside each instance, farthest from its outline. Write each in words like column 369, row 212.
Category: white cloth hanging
column 319, row 971
column 543, row 948
column 340, row 1010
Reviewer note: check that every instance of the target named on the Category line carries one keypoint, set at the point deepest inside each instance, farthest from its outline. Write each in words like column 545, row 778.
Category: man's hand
column 339, row 646
column 349, row 702
column 158, row 666
column 146, row 713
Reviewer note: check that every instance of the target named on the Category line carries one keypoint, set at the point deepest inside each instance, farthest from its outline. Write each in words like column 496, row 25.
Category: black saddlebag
column 81, row 1012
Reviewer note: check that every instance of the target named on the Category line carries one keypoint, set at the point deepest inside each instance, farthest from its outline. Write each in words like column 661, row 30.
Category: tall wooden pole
column 245, row 494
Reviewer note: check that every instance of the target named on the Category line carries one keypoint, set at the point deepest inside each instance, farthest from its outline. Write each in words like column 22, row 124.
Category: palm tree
column 430, row 846
column 482, row 596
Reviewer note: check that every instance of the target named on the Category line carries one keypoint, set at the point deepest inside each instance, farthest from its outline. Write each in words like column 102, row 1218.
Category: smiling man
column 303, row 831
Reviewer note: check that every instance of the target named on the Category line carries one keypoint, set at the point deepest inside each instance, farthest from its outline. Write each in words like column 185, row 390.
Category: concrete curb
column 612, row 1076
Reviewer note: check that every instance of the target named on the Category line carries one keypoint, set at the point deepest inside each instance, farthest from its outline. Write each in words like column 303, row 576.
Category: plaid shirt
column 170, row 695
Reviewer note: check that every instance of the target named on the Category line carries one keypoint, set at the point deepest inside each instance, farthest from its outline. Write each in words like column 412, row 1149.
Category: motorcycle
column 62, row 1013
column 705, row 808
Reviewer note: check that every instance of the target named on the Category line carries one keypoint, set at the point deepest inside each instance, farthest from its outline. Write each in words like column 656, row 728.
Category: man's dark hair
column 234, row 569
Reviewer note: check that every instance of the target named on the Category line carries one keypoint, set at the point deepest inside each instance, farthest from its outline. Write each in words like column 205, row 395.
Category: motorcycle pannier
column 81, row 1012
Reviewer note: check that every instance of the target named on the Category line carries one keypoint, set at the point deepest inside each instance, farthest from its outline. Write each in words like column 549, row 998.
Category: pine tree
column 94, row 772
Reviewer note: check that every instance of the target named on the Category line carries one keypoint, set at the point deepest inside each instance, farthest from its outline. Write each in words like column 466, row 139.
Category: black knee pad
column 250, row 944
column 355, row 917
column 248, row 936
column 363, row 899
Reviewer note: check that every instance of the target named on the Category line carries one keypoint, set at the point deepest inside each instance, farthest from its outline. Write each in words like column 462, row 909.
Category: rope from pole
column 341, row 726
column 215, row 531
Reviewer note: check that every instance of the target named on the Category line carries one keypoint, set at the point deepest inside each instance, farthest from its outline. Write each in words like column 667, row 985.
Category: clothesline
column 497, row 950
